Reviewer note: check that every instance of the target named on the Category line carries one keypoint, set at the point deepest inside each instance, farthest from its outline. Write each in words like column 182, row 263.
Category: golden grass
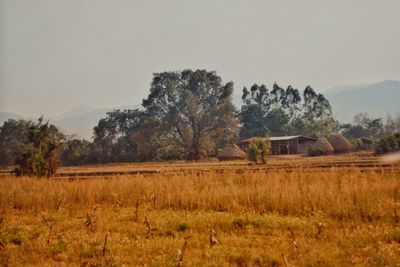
column 334, row 217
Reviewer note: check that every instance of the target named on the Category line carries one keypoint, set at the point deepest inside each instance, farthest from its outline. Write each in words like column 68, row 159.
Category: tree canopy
column 12, row 135
column 39, row 155
column 284, row 112
column 190, row 112
column 113, row 136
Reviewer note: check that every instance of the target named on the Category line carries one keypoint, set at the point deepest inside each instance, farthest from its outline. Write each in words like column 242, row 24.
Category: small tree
column 40, row 152
column 259, row 149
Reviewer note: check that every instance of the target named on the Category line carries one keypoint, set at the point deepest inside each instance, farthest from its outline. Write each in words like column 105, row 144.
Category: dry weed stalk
column 319, row 230
column 49, row 236
column 89, row 222
column 284, row 260
column 146, row 222
column 2, row 245
column 213, row 237
column 154, row 200
column 294, row 242
column 181, row 253
column 105, row 246
column 136, row 216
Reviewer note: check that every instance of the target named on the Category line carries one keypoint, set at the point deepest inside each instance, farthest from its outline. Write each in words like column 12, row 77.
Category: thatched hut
column 231, row 152
column 340, row 143
column 324, row 146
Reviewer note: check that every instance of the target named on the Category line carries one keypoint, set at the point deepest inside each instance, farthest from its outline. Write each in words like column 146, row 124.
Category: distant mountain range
column 9, row 115
column 378, row 99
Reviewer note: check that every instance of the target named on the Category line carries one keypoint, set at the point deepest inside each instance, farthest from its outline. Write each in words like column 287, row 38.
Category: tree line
column 187, row 115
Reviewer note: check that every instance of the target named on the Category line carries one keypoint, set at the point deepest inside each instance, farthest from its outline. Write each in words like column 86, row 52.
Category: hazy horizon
column 56, row 55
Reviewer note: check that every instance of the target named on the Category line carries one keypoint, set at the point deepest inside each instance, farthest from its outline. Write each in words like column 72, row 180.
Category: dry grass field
column 328, row 211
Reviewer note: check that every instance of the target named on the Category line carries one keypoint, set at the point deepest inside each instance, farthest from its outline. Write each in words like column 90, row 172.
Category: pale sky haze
column 58, row 54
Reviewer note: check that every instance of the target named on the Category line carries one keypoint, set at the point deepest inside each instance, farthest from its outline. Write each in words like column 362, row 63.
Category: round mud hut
column 324, row 146
column 340, row 143
column 231, row 152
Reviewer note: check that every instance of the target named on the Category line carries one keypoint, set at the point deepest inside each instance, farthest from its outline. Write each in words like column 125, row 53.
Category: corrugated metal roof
column 249, row 139
column 278, row 138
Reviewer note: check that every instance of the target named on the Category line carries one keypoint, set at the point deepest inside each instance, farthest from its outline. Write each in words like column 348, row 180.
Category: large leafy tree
column 316, row 115
column 280, row 112
column 190, row 112
column 257, row 104
column 113, row 135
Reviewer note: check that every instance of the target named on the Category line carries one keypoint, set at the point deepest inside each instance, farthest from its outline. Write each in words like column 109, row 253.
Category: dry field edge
column 197, row 216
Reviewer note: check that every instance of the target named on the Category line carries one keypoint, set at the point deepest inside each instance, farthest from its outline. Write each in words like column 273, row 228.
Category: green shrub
column 387, row 144
column 258, row 150
column 182, row 227
column 314, row 151
column 363, row 143
column 40, row 152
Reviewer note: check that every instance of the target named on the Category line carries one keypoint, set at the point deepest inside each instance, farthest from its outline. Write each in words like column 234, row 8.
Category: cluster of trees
column 364, row 126
column 187, row 115
column 373, row 133
column 285, row 112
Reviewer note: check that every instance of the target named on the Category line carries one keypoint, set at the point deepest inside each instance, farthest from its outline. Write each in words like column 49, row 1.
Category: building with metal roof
column 284, row 145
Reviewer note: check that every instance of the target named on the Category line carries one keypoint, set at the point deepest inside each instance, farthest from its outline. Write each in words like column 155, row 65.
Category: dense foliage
column 78, row 152
column 373, row 133
column 387, row 144
column 314, row 151
column 189, row 113
column 363, row 143
column 259, row 149
column 113, row 140
column 12, row 135
column 285, row 112
column 39, row 153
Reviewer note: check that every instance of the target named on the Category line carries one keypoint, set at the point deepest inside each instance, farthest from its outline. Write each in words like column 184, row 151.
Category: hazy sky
column 57, row 54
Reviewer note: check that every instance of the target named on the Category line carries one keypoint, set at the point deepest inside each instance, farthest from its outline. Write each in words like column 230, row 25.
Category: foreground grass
column 322, row 218
column 56, row 238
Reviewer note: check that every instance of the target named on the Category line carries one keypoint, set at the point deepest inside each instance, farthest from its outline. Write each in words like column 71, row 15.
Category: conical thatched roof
column 231, row 152
column 323, row 145
column 340, row 143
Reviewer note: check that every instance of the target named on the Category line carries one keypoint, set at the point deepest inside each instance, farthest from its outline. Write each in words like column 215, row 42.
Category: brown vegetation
column 340, row 143
column 322, row 217
column 324, row 146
